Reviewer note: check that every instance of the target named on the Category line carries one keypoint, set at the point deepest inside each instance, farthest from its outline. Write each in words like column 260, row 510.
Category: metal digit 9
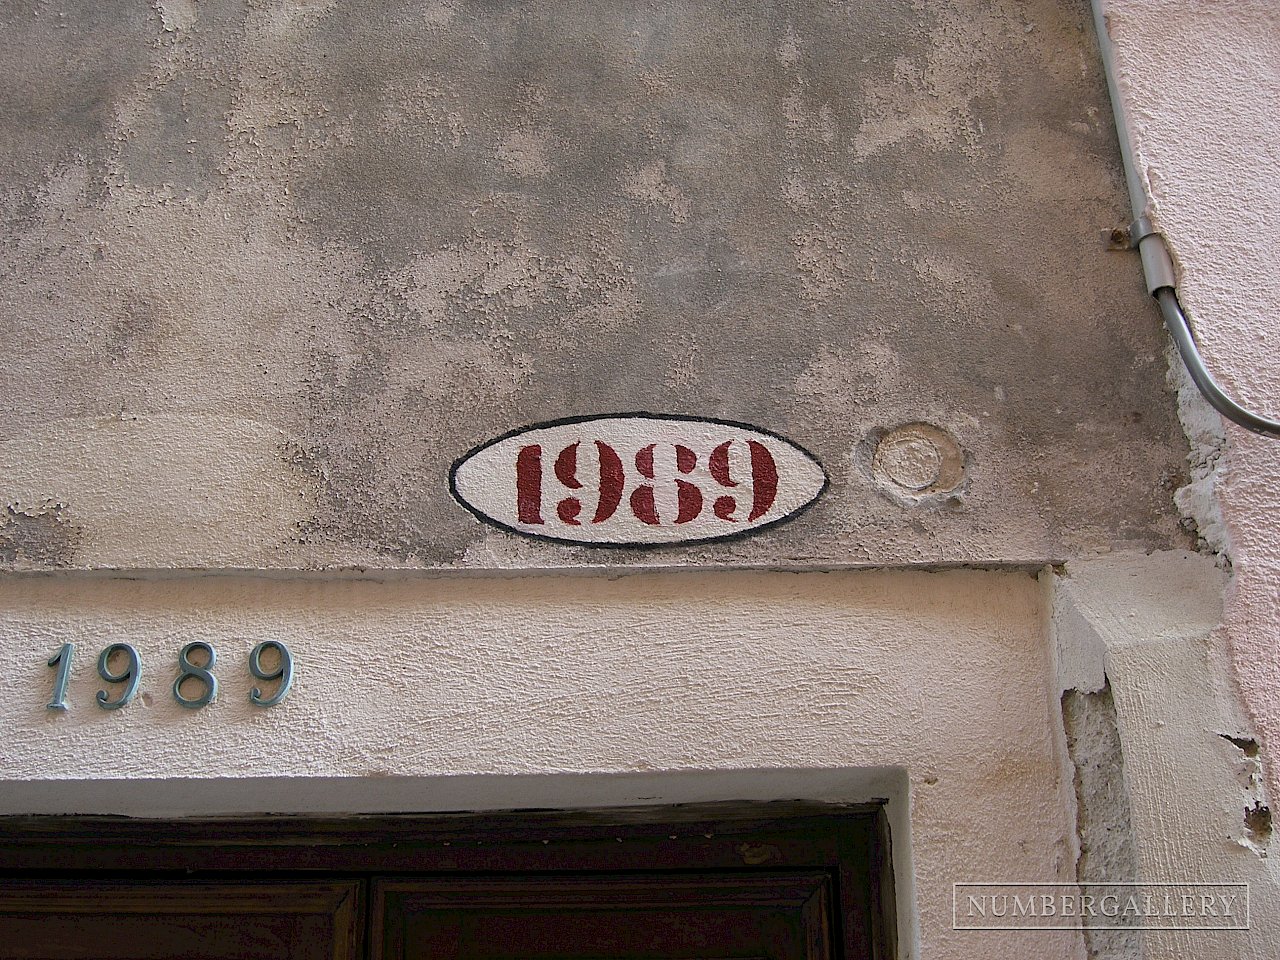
column 130, row 675
column 283, row 673
column 203, row 674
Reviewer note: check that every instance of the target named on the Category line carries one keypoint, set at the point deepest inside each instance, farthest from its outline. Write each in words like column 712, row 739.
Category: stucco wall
column 1201, row 87
column 297, row 257
column 937, row 692
column 940, row 692
column 1141, row 632
column 405, row 689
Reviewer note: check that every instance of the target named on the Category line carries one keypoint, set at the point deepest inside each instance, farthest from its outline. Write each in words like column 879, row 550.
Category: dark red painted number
column 609, row 480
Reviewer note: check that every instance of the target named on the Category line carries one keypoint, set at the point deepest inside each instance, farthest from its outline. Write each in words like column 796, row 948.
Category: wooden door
column 756, row 882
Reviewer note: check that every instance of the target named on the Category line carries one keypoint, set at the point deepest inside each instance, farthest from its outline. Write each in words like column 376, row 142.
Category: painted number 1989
column 610, row 479
column 637, row 480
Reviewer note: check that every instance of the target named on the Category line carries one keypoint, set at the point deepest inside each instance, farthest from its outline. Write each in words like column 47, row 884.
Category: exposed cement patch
column 66, row 70
column 1258, row 825
column 395, row 231
column 1198, row 499
column 1103, row 824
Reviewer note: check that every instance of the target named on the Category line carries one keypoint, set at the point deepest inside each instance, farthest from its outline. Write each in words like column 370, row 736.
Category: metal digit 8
column 283, row 673
column 189, row 670
column 129, row 676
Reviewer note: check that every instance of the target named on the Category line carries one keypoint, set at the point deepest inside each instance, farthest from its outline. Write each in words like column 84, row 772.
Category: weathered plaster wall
column 295, row 257
column 404, row 689
column 1201, row 85
column 1179, row 799
column 210, row 426
column 940, row 692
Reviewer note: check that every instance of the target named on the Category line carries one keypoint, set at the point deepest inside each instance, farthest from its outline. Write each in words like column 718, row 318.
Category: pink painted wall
column 1201, row 85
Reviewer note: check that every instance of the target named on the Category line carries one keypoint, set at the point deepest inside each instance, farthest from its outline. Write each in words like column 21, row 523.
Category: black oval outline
column 636, row 544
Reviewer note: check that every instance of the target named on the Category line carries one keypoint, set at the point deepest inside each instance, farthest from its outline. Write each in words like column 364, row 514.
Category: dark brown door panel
column 127, row 920
column 725, row 916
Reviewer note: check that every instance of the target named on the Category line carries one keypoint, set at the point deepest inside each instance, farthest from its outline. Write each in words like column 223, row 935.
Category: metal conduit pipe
column 1157, row 264
column 1180, row 329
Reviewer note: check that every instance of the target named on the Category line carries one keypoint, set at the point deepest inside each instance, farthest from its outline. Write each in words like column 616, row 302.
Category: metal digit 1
column 202, row 674
column 130, row 675
column 61, row 660
column 283, row 673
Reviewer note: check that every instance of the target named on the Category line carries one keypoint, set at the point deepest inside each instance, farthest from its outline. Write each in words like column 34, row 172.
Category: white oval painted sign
column 637, row 480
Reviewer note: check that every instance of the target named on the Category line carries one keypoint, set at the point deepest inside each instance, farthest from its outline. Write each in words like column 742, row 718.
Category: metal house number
column 194, row 687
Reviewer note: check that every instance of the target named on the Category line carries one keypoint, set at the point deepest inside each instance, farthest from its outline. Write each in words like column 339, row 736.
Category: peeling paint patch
column 1258, row 827
column 1198, row 499
column 42, row 536
column 177, row 14
column 164, row 491
column 789, row 48
column 526, row 153
column 823, row 262
column 931, row 100
column 439, row 13
column 652, row 183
